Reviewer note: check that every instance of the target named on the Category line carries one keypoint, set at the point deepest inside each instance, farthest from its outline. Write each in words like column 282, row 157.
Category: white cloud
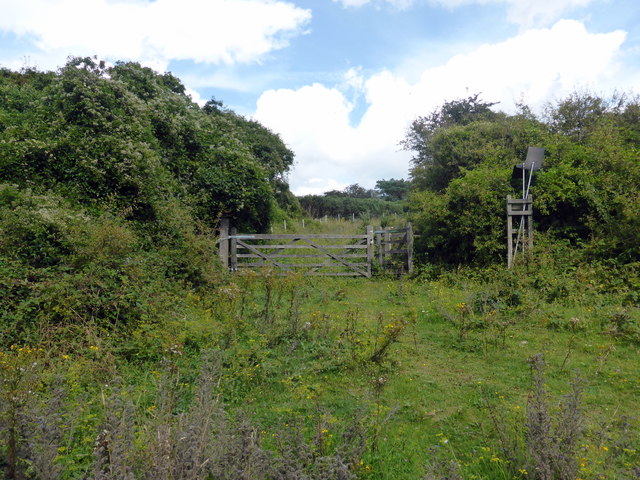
column 526, row 13
column 353, row 3
column 314, row 122
column 359, row 3
column 353, row 78
column 195, row 96
column 534, row 66
column 209, row 31
column 540, row 12
column 318, row 186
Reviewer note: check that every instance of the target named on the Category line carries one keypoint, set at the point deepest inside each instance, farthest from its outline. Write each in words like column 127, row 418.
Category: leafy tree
column 586, row 193
column 131, row 138
column 435, row 162
column 353, row 191
column 333, row 205
column 576, row 114
column 464, row 224
column 461, row 112
column 356, row 191
column 268, row 150
column 273, row 155
column 392, row 189
column 111, row 182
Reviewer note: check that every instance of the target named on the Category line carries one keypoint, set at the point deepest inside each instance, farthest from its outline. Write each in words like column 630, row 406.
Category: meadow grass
column 434, row 375
column 428, row 396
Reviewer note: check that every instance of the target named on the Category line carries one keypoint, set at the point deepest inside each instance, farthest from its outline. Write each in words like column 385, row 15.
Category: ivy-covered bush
column 586, row 193
column 112, row 183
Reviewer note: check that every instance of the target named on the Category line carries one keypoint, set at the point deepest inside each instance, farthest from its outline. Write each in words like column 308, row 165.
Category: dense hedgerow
column 112, row 183
column 587, row 192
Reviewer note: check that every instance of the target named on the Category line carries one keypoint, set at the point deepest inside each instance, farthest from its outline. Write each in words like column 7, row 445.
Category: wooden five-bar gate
column 389, row 249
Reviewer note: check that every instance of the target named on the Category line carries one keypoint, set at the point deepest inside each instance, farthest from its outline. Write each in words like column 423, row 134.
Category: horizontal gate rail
column 299, row 246
column 317, row 254
column 288, row 236
column 312, row 254
column 294, row 255
column 395, row 249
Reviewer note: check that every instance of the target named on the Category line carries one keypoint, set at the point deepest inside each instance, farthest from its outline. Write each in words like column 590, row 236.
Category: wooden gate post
column 387, row 246
column 509, row 233
column 223, row 242
column 409, row 248
column 369, row 250
column 530, row 228
column 233, row 257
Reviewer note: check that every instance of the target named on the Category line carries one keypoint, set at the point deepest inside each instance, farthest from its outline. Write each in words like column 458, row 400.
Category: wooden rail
column 317, row 254
column 519, row 239
column 395, row 249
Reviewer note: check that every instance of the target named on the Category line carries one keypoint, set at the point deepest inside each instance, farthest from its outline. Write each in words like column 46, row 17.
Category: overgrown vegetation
column 127, row 353
column 112, row 183
column 128, row 141
column 273, row 377
column 586, row 194
column 388, row 198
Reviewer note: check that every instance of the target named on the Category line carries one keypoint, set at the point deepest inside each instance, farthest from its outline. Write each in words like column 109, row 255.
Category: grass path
column 430, row 392
column 428, row 372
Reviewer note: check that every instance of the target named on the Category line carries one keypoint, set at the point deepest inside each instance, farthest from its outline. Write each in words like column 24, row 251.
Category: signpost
column 522, row 208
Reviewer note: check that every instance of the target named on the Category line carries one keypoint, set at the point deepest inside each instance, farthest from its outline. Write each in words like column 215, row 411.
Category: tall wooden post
column 409, row 248
column 530, row 228
column 369, row 250
column 223, row 242
column 387, row 246
column 509, row 234
column 233, row 257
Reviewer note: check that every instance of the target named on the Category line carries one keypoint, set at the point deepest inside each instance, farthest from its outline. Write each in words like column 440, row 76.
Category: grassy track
column 436, row 383
column 426, row 371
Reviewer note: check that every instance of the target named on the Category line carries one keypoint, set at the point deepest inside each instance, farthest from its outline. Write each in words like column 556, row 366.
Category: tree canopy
column 392, row 189
column 587, row 193
column 355, row 200
column 112, row 182
column 126, row 137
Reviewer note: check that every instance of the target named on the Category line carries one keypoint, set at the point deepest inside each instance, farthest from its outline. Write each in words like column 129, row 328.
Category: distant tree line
column 387, row 198
column 391, row 190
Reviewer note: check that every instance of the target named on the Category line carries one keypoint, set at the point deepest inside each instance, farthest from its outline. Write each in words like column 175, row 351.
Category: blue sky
column 340, row 80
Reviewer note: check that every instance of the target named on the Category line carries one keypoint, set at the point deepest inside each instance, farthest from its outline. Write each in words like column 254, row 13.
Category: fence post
column 530, row 224
column 379, row 247
column 234, row 250
column 509, row 234
column 387, row 245
column 223, row 242
column 369, row 250
column 409, row 248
